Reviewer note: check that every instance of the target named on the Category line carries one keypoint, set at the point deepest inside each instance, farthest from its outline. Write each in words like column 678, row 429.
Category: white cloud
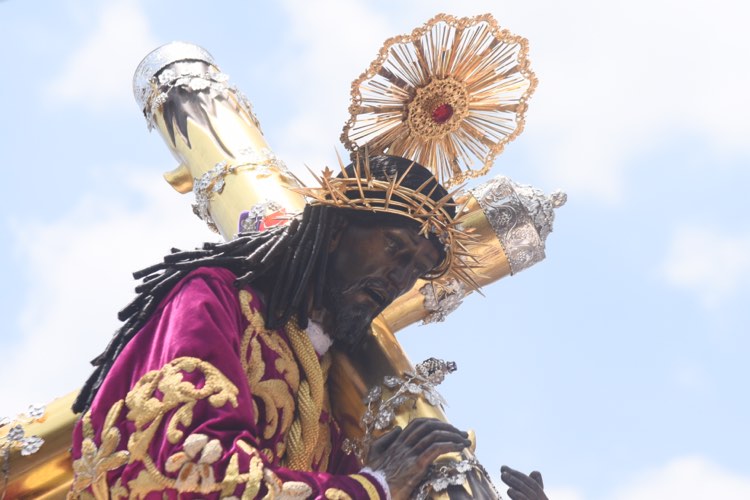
column 687, row 478
column 98, row 75
column 80, row 269
column 707, row 263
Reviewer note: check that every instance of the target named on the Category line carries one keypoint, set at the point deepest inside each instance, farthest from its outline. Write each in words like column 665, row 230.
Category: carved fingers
column 405, row 455
column 522, row 486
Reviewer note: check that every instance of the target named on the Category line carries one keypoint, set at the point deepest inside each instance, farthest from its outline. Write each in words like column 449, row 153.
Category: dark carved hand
column 523, row 487
column 405, row 455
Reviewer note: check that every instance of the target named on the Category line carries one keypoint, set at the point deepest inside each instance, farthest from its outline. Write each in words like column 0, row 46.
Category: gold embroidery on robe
column 118, row 491
column 251, row 479
column 145, row 409
column 193, row 464
column 372, row 491
column 92, row 468
column 290, row 490
column 337, row 494
column 292, row 406
column 277, row 395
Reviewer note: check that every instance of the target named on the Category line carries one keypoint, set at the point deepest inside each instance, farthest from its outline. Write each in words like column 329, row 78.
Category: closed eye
column 393, row 244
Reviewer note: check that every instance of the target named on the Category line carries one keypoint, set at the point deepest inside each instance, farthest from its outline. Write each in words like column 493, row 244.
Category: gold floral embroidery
column 118, row 490
column 290, row 490
column 337, row 494
column 278, row 402
column 195, row 472
column 146, row 482
column 296, row 489
column 147, row 411
column 277, row 489
column 371, row 490
column 285, row 363
column 292, row 406
column 277, row 395
column 91, row 469
column 193, row 465
column 251, row 479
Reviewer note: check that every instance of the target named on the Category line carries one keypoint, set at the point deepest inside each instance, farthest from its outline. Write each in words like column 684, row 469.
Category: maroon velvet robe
column 200, row 404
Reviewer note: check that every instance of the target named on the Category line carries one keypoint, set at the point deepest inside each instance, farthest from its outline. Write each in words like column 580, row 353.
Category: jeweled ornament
column 442, row 113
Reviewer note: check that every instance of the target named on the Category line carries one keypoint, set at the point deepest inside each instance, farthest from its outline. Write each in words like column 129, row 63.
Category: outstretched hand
column 523, row 487
column 404, row 456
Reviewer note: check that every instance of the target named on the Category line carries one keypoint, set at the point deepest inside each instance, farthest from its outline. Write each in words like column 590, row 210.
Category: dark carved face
column 368, row 267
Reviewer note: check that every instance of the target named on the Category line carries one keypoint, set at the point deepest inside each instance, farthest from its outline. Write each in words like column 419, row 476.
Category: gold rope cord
column 304, row 433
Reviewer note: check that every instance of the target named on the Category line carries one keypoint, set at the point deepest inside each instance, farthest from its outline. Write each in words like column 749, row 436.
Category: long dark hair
column 292, row 259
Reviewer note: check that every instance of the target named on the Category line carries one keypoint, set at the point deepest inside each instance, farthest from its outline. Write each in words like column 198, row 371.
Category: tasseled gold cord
column 304, row 433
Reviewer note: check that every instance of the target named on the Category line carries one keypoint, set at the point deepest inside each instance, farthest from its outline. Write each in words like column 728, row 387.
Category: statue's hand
column 404, row 456
column 523, row 487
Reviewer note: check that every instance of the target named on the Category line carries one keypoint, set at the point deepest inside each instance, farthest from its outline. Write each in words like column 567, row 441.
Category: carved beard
column 351, row 322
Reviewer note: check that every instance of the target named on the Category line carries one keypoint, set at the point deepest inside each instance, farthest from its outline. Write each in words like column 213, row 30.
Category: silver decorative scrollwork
column 16, row 439
column 251, row 220
column 521, row 216
column 154, row 79
column 211, row 81
column 160, row 58
column 380, row 413
column 212, row 182
column 441, row 299
column 442, row 475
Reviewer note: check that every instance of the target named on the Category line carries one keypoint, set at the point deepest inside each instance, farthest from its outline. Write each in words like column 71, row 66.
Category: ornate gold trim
column 370, row 488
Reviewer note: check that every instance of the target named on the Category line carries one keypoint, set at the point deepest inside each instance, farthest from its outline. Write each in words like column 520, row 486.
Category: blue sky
column 618, row 366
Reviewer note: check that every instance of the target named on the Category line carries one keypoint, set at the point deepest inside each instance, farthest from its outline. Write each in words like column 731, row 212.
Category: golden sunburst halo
column 449, row 95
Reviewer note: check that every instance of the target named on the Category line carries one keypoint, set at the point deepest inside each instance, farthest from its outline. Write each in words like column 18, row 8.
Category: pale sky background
column 618, row 366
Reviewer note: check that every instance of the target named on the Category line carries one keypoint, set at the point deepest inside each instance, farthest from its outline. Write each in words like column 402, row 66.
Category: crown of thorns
column 359, row 189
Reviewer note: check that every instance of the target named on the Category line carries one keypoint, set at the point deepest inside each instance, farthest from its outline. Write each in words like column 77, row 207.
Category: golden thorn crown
column 358, row 189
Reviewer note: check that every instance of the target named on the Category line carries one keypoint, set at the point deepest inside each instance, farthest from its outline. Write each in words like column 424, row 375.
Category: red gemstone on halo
column 442, row 113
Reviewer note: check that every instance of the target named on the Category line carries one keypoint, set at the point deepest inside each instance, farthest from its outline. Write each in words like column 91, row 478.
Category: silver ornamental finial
column 143, row 79
column 521, row 216
column 558, row 198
